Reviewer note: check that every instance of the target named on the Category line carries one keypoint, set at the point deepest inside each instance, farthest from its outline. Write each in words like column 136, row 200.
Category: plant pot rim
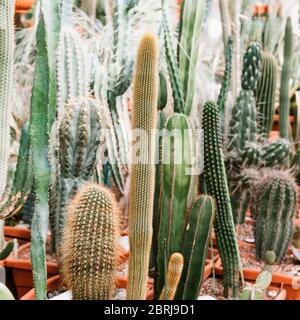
column 21, row 233
column 25, row 264
column 23, row 6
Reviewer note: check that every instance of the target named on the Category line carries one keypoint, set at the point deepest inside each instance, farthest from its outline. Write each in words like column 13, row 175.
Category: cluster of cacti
column 142, row 184
column 90, row 244
column 274, row 206
column 216, row 184
column 79, row 139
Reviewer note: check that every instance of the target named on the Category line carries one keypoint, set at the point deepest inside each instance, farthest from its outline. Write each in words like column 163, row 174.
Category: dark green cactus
column 276, row 154
column 163, row 92
column 274, row 206
column 5, row 252
column 176, row 189
column 216, row 184
column 79, row 139
column 195, row 246
column 142, row 184
column 265, row 94
column 284, row 108
column 90, row 244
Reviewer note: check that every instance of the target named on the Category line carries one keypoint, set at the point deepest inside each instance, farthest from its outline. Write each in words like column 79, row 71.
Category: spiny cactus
column 72, row 68
column 163, row 92
column 216, row 183
column 90, row 244
column 195, row 246
column 274, row 206
column 177, row 148
column 284, row 108
column 270, row 258
column 79, row 139
column 6, row 83
column 174, row 271
column 275, row 154
column 265, row 94
column 145, row 94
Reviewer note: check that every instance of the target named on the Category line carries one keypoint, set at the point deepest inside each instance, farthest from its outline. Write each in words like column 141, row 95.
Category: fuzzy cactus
column 177, row 148
column 265, row 94
column 79, row 139
column 173, row 276
column 90, row 244
column 274, row 206
column 216, row 183
column 284, row 108
column 6, row 83
column 142, row 185
column 195, row 246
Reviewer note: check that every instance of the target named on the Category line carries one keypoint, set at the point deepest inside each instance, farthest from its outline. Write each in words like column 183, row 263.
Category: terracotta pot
column 54, row 283
column 22, row 271
column 281, row 295
column 23, row 6
column 23, row 235
column 276, row 122
column 289, row 283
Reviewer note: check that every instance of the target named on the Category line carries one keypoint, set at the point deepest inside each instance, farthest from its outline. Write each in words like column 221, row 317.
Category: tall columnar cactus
column 195, row 246
column 145, row 94
column 90, row 246
column 72, row 68
column 284, row 108
column 174, row 272
column 265, row 94
column 176, row 188
column 274, row 206
column 79, row 139
column 216, row 183
column 6, row 83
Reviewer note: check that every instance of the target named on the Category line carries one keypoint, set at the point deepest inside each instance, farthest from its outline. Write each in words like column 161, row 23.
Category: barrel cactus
column 90, row 244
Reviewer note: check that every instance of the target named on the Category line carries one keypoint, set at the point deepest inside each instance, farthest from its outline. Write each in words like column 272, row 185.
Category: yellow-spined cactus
column 174, row 272
column 90, row 245
column 145, row 95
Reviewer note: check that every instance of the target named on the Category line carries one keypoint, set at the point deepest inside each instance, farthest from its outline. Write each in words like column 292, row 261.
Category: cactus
column 5, row 252
column 265, row 94
column 90, row 246
column 174, row 271
column 14, row 199
column 163, row 92
column 274, row 206
column 270, row 258
column 6, row 83
column 276, row 154
column 216, row 183
column 79, row 139
column 5, row 294
column 176, row 188
column 284, row 108
column 145, row 95
column 195, row 246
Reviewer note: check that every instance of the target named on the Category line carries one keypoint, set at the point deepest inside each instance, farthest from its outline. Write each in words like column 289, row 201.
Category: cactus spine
column 176, row 190
column 284, row 108
column 216, row 183
column 79, row 139
column 174, row 271
column 195, row 246
column 145, row 95
column 274, row 206
column 6, row 83
column 90, row 246
column 265, row 94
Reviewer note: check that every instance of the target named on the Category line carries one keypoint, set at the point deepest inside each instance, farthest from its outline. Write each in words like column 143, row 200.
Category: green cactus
column 276, row 154
column 6, row 83
column 14, row 199
column 163, row 92
column 274, row 206
column 270, row 258
column 216, row 184
column 5, row 294
column 284, row 108
column 195, row 246
column 176, row 188
column 265, row 94
column 173, row 276
column 5, row 252
column 142, row 185
column 90, row 245
column 79, row 139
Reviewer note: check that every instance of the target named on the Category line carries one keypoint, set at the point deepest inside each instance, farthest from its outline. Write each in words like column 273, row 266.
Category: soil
column 287, row 266
column 25, row 254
